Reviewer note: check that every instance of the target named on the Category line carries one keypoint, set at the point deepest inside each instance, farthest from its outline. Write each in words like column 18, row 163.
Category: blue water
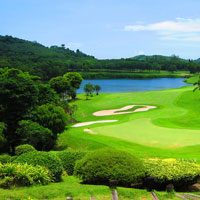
column 132, row 85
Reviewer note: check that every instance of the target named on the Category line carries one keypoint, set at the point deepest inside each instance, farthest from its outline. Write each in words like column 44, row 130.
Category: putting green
column 142, row 131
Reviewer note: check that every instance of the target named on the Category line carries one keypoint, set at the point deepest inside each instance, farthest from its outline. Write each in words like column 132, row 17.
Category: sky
column 107, row 28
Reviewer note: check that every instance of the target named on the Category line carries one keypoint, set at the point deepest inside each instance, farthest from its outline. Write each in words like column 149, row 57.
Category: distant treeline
column 121, row 75
column 48, row 62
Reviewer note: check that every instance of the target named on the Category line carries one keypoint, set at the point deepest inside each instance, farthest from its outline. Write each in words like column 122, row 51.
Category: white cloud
column 180, row 29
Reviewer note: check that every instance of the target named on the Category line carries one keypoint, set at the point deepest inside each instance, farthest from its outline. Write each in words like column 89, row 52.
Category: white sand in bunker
column 123, row 110
column 93, row 122
column 89, row 131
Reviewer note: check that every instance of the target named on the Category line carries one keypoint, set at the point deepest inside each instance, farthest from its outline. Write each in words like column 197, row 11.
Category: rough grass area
column 72, row 187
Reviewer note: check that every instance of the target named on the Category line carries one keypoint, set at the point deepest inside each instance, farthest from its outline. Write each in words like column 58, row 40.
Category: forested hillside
column 48, row 62
column 38, row 59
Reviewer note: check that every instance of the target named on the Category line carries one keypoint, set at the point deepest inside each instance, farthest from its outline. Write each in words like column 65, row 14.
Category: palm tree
column 88, row 88
column 97, row 88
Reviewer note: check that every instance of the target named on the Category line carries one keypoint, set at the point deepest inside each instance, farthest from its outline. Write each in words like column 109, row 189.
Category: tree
column 71, row 110
column 75, row 80
column 72, row 93
column 36, row 135
column 97, row 88
column 2, row 136
column 47, row 94
column 88, row 88
column 60, row 84
column 52, row 117
column 18, row 96
column 172, row 68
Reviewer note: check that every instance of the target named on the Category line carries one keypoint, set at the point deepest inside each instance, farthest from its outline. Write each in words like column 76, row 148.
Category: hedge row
column 69, row 158
column 162, row 172
column 107, row 165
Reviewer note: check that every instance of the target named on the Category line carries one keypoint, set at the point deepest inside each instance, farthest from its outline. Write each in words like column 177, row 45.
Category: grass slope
column 72, row 187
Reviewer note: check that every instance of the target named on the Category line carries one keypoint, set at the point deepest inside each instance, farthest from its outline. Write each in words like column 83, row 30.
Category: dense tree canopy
column 36, row 135
column 57, row 61
column 74, row 78
column 47, row 94
column 52, row 117
column 18, row 95
column 29, row 111
column 60, row 84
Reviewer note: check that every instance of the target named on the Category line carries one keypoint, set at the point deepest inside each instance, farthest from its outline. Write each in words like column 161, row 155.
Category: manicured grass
column 192, row 80
column 71, row 186
column 131, row 109
column 170, row 130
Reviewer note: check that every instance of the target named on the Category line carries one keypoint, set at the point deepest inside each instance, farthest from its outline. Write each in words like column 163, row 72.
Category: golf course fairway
column 172, row 129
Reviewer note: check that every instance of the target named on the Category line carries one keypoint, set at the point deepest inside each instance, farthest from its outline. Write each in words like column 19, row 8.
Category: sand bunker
column 116, row 111
column 89, row 131
column 93, row 122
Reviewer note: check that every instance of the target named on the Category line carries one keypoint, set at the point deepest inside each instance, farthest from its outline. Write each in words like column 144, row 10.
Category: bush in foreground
column 69, row 158
column 24, row 148
column 22, row 175
column 162, row 172
column 101, row 166
column 5, row 158
column 45, row 159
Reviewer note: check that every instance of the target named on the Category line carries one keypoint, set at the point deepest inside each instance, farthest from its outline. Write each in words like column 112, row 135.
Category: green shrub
column 45, row 159
column 22, row 175
column 5, row 158
column 162, row 172
column 24, row 148
column 69, row 158
column 52, row 117
column 101, row 166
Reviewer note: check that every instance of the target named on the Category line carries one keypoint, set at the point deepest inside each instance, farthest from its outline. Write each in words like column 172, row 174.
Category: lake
column 134, row 85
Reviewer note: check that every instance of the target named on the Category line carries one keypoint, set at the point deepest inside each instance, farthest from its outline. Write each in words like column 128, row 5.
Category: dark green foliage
column 101, row 166
column 12, row 174
column 24, row 148
column 74, row 78
column 18, row 95
column 38, row 59
column 69, row 158
column 52, row 117
column 45, row 159
column 5, row 158
column 60, row 84
column 2, row 137
column 46, row 95
column 56, row 61
column 36, row 135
